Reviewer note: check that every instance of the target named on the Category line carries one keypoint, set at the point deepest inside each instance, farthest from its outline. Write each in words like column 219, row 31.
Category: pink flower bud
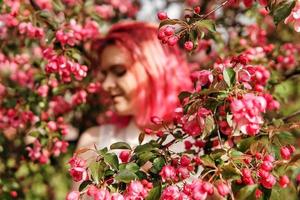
column 197, row 9
column 223, row 189
column 169, row 31
column 173, row 40
column 52, row 126
column 258, row 193
column 268, row 182
column 185, row 160
column 188, row 45
column 285, row 153
column 124, row 156
column 266, row 165
column 162, row 15
column 284, row 181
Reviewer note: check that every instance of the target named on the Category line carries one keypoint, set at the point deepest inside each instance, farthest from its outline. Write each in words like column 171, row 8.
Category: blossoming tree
column 238, row 144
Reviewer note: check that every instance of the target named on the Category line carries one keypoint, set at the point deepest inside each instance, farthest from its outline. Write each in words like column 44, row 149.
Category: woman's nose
column 109, row 82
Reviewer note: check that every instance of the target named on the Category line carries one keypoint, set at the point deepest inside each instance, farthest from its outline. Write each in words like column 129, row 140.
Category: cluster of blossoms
column 294, row 17
column 31, row 31
column 196, row 190
column 74, row 33
column 287, row 60
column 40, row 154
column 63, row 66
column 111, row 8
column 248, row 3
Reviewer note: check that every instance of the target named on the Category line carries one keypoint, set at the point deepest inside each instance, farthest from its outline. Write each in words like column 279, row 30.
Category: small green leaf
column 112, row 160
column 171, row 22
column 141, row 137
column 120, row 145
column 155, row 193
column 144, row 157
column 144, row 148
column 209, row 126
column 244, row 144
column 103, row 151
column 97, row 170
column 230, row 172
column 218, row 153
column 125, row 176
column 247, row 192
column 229, row 76
column 282, row 10
column 183, row 95
column 207, row 24
column 208, row 161
column 133, row 167
column 84, row 184
column 158, row 164
column 34, row 133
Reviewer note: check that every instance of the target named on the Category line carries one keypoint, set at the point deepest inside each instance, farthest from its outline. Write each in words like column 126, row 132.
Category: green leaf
column 144, row 157
column 206, row 24
column 112, row 160
column 144, row 148
column 155, row 193
column 158, row 164
column 103, row 151
column 183, row 95
column 229, row 76
column 35, row 133
column 230, row 172
column 120, row 145
column 208, row 161
column 97, row 170
column 84, row 184
column 285, row 138
column 125, row 176
column 171, row 22
column 141, row 137
column 247, row 192
column 244, row 144
column 218, row 153
column 209, row 126
column 282, row 10
column 133, row 167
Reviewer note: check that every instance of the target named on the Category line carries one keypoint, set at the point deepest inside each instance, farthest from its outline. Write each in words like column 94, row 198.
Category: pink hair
column 166, row 68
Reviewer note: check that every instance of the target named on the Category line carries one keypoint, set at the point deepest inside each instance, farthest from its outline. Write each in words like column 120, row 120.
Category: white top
column 109, row 134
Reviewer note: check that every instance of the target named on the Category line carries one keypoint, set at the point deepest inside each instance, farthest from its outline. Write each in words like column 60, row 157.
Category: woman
column 143, row 78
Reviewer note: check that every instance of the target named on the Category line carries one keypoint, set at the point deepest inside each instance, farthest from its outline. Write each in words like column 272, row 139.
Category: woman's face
column 119, row 80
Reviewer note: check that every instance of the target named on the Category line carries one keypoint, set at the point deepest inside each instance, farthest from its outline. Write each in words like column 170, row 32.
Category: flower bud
column 162, row 15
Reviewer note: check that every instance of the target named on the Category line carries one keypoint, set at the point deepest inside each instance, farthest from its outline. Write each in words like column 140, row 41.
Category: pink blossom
column 59, row 147
column 268, row 182
column 117, row 196
column 105, row 11
column 78, row 174
column 247, row 113
column 73, row 195
column 77, row 162
column 204, row 77
column 79, row 97
column 223, row 189
column 294, row 17
column 136, row 190
column 170, row 193
column 168, row 173
column 43, row 90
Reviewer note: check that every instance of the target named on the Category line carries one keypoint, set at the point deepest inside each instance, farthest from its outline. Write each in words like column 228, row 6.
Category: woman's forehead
column 113, row 55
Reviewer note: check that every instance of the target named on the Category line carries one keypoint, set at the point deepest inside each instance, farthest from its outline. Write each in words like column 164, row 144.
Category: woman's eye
column 119, row 70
